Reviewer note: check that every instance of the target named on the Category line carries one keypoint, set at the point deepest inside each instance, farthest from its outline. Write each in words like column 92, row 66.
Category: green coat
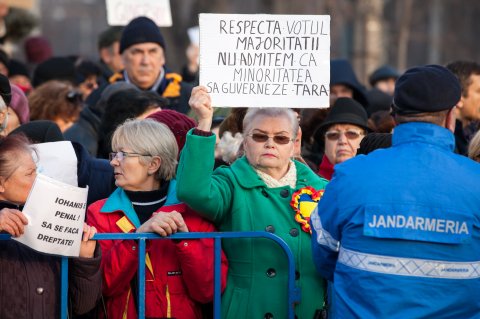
column 236, row 199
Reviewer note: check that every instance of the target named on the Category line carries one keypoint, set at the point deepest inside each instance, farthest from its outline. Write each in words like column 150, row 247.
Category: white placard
column 265, row 60
column 120, row 12
column 55, row 213
column 58, row 161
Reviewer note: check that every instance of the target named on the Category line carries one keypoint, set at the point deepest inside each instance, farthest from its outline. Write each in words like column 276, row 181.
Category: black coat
column 30, row 282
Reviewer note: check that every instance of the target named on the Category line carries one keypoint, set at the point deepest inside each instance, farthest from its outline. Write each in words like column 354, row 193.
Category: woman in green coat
column 262, row 191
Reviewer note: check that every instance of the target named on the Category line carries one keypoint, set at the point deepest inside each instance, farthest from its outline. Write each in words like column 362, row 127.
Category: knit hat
column 5, row 89
column 141, row 30
column 374, row 141
column 19, row 104
column 177, row 122
column 40, row 131
column 345, row 111
column 57, row 68
column 38, row 49
column 430, row 88
column 383, row 73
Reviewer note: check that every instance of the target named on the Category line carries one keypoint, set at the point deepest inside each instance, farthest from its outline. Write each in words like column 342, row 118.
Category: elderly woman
column 179, row 276
column 262, row 191
column 343, row 130
column 30, row 281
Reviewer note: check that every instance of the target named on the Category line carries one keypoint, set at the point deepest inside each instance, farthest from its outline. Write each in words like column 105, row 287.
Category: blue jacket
column 398, row 230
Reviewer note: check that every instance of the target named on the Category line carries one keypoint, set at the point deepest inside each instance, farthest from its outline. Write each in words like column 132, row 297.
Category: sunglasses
column 120, row 156
column 349, row 134
column 278, row 139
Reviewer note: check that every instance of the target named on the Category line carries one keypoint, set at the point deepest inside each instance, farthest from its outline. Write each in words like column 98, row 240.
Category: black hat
column 345, row 111
column 5, row 89
column 57, row 68
column 141, row 30
column 16, row 67
column 429, row 88
column 374, row 141
column 382, row 73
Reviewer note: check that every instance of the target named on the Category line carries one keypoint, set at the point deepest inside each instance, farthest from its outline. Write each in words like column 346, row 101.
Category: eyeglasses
column 349, row 134
column 120, row 156
column 278, row 139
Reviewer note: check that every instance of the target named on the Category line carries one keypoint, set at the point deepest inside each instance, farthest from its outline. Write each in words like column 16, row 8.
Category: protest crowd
column 375, row 194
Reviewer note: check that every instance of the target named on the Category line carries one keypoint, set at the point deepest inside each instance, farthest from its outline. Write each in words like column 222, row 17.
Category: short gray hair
column 252, row 113
column 3, row 105
column 149, row 137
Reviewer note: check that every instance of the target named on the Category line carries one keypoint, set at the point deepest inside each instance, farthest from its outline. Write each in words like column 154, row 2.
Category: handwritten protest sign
column 265, row 60
column 120, row 12
column 56, row 212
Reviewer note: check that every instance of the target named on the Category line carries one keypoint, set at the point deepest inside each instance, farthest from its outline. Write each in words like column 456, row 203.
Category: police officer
column 142, row 47
column 397, row 231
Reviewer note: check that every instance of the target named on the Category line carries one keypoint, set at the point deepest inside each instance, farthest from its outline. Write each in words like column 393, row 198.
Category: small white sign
column 55, row 213
column 120, row 12
column 265, row 60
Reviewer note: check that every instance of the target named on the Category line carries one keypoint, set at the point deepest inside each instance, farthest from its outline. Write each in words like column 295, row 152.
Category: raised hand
column 201, row 104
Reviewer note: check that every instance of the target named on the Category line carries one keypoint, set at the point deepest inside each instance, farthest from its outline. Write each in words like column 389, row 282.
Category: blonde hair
column 151, row 138
column 474, row 147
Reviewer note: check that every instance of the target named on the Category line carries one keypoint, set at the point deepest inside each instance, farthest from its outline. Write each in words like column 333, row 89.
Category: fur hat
column 141, row 30
column 429, row 88
column 177, row 122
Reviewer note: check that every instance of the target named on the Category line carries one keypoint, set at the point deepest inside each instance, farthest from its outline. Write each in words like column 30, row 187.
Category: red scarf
column 326, row 168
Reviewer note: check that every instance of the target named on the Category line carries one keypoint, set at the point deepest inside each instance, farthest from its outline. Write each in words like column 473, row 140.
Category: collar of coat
column 248, row 178
column 118, row 200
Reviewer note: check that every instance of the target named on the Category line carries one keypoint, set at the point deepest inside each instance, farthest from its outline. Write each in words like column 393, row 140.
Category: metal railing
column 293, row 292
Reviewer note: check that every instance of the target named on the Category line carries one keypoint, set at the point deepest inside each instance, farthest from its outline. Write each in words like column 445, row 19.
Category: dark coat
column 172, row 88
column 30, row 282
column 85, row 130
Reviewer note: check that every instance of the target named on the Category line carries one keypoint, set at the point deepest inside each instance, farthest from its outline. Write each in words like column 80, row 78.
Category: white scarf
column 290, row 179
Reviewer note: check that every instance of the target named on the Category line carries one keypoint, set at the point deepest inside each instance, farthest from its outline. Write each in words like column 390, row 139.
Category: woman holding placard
column 179, row 274
column 265, row 190
column 30, row 281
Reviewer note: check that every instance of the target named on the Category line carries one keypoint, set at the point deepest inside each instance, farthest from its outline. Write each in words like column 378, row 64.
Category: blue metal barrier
column 293, row 292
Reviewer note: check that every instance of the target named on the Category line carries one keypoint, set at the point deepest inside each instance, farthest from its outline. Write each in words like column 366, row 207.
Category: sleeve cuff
column 198, row 132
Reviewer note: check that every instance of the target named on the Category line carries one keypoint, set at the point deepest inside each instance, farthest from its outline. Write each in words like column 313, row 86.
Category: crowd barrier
column 293, row 292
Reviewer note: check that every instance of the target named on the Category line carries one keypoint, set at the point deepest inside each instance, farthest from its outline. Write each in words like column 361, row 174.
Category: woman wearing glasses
column 179, row 275
column 343, row 130
column 265, row 190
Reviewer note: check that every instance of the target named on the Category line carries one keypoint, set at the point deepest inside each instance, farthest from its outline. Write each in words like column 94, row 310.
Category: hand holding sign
column 12, row 221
